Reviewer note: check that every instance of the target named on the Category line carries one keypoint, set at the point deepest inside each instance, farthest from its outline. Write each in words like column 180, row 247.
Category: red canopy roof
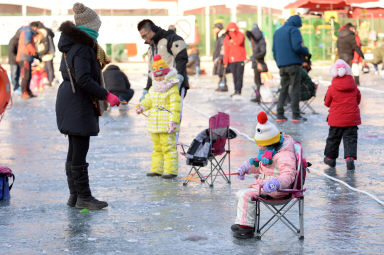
column 324, row 5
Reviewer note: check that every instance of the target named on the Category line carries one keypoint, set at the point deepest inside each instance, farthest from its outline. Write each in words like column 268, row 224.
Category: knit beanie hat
column 159, row 66
column 340, row 68
column 266, row 133
column 86, row 17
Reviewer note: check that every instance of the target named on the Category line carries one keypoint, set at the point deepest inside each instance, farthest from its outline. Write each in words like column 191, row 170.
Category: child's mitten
column 271, row 185
column 243, row 169
column 139, row 109
column 172, row 127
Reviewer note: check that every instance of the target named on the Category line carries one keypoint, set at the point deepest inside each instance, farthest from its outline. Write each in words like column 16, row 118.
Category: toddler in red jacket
column 343, row 99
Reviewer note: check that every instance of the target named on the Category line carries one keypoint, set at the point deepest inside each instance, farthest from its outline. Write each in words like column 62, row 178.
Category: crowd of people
column 85, row 85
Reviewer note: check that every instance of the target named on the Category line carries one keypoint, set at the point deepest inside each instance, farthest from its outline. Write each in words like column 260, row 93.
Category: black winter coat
column 218, row 52
column 75, row 114
column 259, row 48
column 117, row 83
column 181, row 59
column 346, row 45
column 12, row 48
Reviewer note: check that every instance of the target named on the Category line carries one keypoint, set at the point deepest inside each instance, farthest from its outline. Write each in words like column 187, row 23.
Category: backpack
column 5, row 91
column 5, row 173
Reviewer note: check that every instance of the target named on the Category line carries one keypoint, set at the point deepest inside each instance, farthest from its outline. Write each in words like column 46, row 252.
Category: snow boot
column 243, row 233
column 85, row 200
column 71, row 185
column 330, row 162
column 350, row 163
column 235, row 227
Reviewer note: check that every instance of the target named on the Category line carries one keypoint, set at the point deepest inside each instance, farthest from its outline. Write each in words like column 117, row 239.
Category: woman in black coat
column 258, row 64
column 75, row 113
column 117, row 83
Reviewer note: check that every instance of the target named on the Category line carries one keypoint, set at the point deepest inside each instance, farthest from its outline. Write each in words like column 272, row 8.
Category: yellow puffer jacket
column 163, row 103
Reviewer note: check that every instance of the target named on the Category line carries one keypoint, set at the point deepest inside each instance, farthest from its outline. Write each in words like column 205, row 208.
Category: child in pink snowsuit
column 275, row 166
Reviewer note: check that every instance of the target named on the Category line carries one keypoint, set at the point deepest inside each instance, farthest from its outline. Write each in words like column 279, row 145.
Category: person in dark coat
column 343, row 99
column 218, row 53
column 117, row 83
column 258, row 53
column 48, row 51
column 14, row 66
column 75, row 112
column 288, row 51
column 346, row 44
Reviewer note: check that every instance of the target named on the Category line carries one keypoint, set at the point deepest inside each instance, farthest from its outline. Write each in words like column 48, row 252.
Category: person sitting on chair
column 275, row 166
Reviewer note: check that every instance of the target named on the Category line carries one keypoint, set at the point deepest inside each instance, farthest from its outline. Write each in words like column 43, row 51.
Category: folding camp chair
column 209, row 145
column 306, row 103
column 268, row 107
column 279, row 207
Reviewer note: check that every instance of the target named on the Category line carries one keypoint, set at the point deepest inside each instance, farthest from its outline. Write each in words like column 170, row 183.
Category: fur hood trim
column 77, row 36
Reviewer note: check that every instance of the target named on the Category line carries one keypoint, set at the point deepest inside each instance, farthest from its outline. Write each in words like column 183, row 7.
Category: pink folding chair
column 217, row 136
column 279, row 207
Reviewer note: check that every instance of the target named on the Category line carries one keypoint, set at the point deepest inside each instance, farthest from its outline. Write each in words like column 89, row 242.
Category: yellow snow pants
column 164, row 155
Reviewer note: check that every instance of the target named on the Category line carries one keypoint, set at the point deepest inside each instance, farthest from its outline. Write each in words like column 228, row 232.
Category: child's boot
column 242, row 232
column 350, row 161
column 330, row 162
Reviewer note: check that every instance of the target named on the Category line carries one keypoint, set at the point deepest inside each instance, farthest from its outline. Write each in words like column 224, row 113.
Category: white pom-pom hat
column 266, row 133
column 340, row 68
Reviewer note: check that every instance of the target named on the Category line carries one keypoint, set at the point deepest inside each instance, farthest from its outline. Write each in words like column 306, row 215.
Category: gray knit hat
column 86, row 17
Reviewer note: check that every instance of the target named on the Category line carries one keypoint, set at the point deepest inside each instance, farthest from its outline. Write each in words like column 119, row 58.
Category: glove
column 145, row 91
column 112, row 99
column 139, row 109
column 243, row 169
column 172, row 127
column 271, row 185
column 181, row 79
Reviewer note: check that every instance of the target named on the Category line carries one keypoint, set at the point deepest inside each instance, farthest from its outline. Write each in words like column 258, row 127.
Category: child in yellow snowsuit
column 163, row 103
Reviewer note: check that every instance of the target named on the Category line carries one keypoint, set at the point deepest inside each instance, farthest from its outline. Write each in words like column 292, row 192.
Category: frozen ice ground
column 156, row 216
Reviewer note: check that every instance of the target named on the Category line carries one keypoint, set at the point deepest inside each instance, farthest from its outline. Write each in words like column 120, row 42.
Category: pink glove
column 139, row 109
column 112, row 99
column 172, row 127
column 243, row 169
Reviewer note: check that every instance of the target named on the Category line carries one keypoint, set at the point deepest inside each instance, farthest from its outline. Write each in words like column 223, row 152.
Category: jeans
column 290, row 83
column 48, row 66
column 15, row 76
column 26, row 74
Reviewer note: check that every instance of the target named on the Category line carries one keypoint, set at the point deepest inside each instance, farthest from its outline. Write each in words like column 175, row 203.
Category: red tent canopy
column 324, row 5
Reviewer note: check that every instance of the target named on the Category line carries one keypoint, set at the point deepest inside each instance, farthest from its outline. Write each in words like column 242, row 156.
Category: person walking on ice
column 343, row 99
column 275, row 166
column 163, row 103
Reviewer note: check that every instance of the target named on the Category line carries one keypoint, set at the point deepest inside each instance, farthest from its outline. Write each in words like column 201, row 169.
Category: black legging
column 77, row 149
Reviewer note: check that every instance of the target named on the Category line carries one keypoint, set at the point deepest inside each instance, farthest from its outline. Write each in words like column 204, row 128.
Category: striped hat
column 266, row 133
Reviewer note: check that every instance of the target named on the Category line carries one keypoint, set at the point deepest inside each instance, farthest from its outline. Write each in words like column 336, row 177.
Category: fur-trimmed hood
column 72, row 35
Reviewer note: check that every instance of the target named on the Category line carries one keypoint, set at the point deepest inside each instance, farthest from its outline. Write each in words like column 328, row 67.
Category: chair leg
column 301, row 218
column 257, row 220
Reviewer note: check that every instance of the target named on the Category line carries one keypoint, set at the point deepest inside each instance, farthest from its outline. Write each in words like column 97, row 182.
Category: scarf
column 265, row 156
column 92, row 33
column 102, row 57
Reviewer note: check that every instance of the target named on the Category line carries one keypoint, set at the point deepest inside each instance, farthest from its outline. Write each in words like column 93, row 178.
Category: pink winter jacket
column 283, row 168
